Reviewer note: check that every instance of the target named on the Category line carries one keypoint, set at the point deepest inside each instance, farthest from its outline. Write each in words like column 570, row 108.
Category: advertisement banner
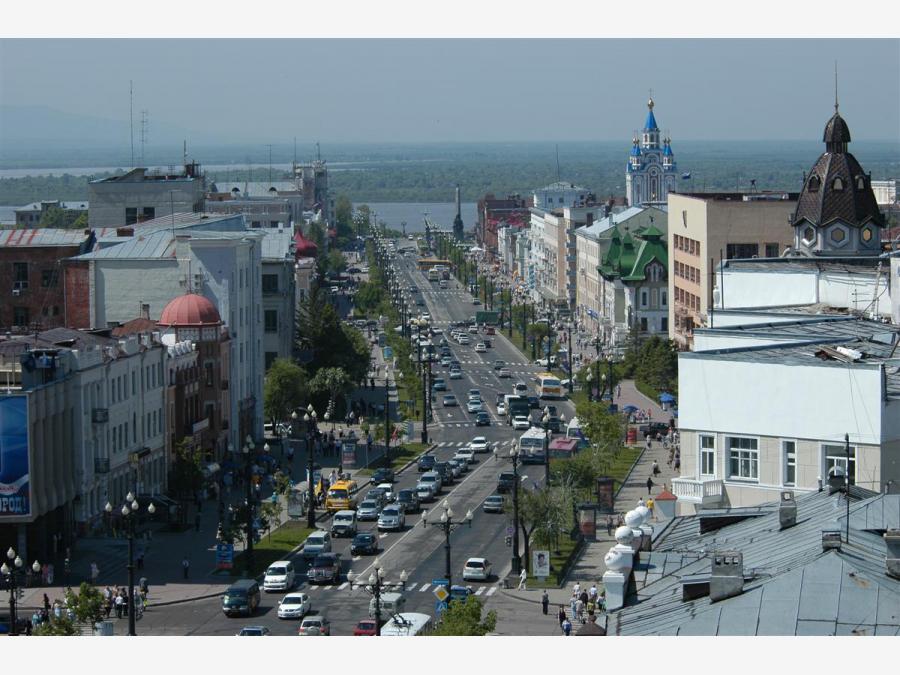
column 15, row 483
column 224, row 556
column 540, row 564
column 348, row 454
column 606, row 494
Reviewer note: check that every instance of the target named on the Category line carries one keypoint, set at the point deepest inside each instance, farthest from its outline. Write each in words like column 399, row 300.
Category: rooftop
column 866, row 264
column 255, row 188
column 68, row 206
column 42, row 236
column 277, row 243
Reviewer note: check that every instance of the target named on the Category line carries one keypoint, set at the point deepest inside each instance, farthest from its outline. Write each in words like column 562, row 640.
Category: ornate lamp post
column 11, row 572
column 312, row 432
column 375, row 586
column 545, row 420
column 590, row 384
column 129, row 512
column 248, row 449
column 514, row 458
column 447, row 523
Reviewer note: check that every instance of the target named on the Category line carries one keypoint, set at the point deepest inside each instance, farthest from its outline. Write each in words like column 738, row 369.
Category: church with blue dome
column 651, row 171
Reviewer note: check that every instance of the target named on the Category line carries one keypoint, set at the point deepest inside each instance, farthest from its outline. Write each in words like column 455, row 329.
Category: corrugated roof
column 276, row 244
column 143, row 246
column 42, row 236
column 70, row 206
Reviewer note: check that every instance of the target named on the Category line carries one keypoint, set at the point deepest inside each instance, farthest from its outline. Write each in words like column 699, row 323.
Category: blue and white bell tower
column 651, row 171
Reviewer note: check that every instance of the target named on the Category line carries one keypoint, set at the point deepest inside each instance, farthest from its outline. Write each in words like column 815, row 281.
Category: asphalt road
column 417, row 549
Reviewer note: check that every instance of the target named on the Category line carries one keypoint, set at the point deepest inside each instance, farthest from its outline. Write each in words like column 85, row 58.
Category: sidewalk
column 519, row 612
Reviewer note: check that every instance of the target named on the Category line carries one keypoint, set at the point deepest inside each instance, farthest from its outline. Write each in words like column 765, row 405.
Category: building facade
column 494, row 214
column 651, row 171
column 32, row 214
column 279, row 294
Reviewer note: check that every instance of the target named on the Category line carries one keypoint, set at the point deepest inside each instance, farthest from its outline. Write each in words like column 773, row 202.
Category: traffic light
column 508, row 540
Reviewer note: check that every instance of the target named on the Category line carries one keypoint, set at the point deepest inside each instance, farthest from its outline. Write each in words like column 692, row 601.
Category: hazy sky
column 462, row 90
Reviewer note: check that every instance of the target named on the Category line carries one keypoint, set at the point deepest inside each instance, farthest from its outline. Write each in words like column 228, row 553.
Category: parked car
column 477, row 569
column 326, row 568
column 654, row 428
column 315, row 625
column 493, row 504
column 294, row 606
column 364, row 543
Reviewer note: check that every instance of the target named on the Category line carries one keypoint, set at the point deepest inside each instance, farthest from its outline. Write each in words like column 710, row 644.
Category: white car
column 389, row 495
column 279, row 576
column 473, row 330
column 455, row 374
column 392, row 518
column 521, row 423
column 294, row 606
column 480, row 348
column 501, row 409
column 480, row 444
column 466, row 454
column 474, row 405
column 477, row 569
column 521, row 389
column 316, row 543
column 464, row 339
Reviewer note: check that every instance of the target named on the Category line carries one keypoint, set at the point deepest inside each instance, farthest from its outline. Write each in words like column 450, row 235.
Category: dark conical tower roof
column 837, row 134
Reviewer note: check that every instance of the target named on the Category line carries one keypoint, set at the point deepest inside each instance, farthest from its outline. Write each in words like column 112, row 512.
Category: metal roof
column 69, row 206
column 254, row 188
column 142, row 246
column 792, row 586
column 42, row 236
column 276, row 244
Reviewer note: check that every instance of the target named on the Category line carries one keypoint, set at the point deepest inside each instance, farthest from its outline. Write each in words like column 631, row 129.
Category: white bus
column 548, row 386
column 406, row 624
column 433, row 274
column 531, row 446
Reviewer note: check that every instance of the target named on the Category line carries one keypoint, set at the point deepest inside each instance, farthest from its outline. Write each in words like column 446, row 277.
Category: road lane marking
column 424, row 588
column 356, row 557
column 382, row 535
column 343, row 585
column 491, row 590
column 479, row 591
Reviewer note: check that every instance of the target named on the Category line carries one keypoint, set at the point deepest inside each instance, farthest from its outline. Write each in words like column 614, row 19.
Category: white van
column 391, row 603
column 343, row 524
column 573, row 430
column 406, row 624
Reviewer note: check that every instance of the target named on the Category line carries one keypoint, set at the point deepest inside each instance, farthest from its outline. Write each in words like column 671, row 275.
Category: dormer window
column 837, row 185
column 813, row 183
column 860, row 183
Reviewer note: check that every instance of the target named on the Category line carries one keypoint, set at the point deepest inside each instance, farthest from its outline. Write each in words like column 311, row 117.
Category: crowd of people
column 584, row 606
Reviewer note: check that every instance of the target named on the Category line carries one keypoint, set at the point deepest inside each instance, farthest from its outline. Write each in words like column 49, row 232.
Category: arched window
column 860, row 183
column 838, row 184
column 813, row 183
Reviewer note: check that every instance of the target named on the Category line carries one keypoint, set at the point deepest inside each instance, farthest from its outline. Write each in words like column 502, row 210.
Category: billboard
column 15, row 483
column 540, row 564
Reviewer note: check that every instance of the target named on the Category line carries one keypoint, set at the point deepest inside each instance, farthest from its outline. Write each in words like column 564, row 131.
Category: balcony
column 708, row 493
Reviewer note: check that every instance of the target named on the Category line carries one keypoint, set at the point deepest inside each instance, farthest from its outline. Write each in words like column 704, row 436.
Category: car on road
column 482, row 419
column 476, row 301
column 279, row 576
column 466, row 454
column 388, row 491
column 449, row 400
column 409, row 500
column 255, row 631
column 325, row 568
column 520, row 389
column 534, row 402
column 378, row 494
column 488, row 342
column 383, row 475
column 505, row 481
column 314, row 625
column 317, row 542
column 364, row 543
column 392, row 518
column 443, row 470
column 439, row 384
column 472, row 330
column 354, row 270
column 474, row 393
column 445, row 361
column 477, row 569
column 474, row 405
column 368, row 509
column 426, row 463
column 455, row 374
column 480, row 348
column 429, row 485
column 521, row 423
column 504, row 373
column 294, row 606
column 366, row 627
column 501, row 409
column 493, row 504
column 459, row 593
column 456, row 467
column 499, row 363
column 480, row 444
column 343, row 523
column 463, row 339
column 242, row 597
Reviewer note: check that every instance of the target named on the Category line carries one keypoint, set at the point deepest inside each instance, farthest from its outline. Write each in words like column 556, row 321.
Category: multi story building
column 279, row 294
column 885, row 191
column 305, row 252
column 312, row 179
column 144, row 194
column 31, row 276
column 265, row 204
column 493, row 214
column 32, row 214
column 705, row 228
column 651, row 171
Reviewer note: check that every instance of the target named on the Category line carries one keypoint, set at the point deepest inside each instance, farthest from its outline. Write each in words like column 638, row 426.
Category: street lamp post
column 570, row 358
column 11, row 572
column 590, row 385
column 375, row 586
column 312, row 432
column 248, row 467
column 448, row 525
column 514, row 458
column 129, row 512
column 545, row 420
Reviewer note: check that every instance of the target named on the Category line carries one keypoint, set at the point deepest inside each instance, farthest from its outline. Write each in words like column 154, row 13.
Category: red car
column 365, row 627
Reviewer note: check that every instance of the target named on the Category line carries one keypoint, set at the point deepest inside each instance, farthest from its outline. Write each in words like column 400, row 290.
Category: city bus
column 548, row 386
column 434, row 275
column 341, row 496
column 531, row 446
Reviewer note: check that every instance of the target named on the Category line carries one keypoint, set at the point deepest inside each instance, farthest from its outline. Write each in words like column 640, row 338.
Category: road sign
column 441, row 582
column 441, row 593
column 440, row 605
column 509, row 530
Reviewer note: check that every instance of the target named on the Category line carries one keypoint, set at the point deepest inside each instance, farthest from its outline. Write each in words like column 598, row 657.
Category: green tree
column 186, row 476
column 284, row 389
column 333, row 343
column 53, row 217
column 533, row 505
column 270, row 515
column 465, row 618
column 56, row 627
column 369, row 298
column 335, row 262
column 556, row 516
column 333, row 382
column 538, row 331
column 87, row 603
column 80, row 223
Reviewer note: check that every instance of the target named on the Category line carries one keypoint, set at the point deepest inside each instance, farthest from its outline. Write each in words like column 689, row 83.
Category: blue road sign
column 440, row 605
column 440, row 582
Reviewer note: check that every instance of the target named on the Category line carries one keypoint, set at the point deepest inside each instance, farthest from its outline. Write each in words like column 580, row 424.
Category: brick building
column 493, row 212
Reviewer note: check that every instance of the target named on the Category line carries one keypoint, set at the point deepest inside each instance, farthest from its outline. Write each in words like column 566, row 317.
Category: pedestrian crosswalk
column 463, row 444
column 411, row 586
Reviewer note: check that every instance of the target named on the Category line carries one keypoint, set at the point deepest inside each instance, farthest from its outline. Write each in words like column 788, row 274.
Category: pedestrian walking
column 579, row 609
column 650, row 505
column 561, row 615
column 523, row 577
column 197, row 519
column 95, row 572
column 576, row 589
column 609, row 525
column 655, row 467
column 650, row 484
column 618, row 391
column 592, row 592
column 567, row 627
column 46, row 602
column 120, row 605
column 573, row 603
column 545, row 602
column 186, row 566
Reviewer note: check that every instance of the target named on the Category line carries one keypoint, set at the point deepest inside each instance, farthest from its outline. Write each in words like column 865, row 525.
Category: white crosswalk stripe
column 343, row 585
column 424, row 588
column 491, row 590
column 479, row 591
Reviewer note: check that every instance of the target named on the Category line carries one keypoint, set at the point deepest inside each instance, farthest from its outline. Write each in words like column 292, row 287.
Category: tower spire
column 835, row 88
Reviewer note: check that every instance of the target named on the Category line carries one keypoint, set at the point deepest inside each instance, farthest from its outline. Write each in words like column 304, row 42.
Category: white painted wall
column 724, row 318
column 705, row 340
column 863, row 292
column 759, row 288
column 822, row 401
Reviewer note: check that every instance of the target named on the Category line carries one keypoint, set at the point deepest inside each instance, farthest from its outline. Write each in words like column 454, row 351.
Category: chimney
column 145, row 310
column 831, row 537
column 727, row 575
column 892, row 560
column 787, row 510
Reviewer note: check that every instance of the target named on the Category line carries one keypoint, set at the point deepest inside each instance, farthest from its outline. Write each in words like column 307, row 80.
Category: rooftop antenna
column 269, row 145
column 145, row 124
column 131, row 117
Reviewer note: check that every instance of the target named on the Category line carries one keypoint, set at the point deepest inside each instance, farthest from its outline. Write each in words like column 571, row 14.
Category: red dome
column 190, row 310
column 303, row 247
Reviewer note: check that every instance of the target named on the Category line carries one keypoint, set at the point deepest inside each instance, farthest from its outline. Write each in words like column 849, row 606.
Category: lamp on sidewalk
column 11, row 573
column 129, row 512
column 514, row 458
column 545, row 420
column 448, row 525
column 376, row 586
column 590, row 383
column 312, row 432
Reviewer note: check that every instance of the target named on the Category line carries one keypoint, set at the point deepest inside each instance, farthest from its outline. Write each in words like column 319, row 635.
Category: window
column 271, row 321
column 208, row 373
column 866, row 234
column 772, row 250
column 20, row 275
column 643, row 298
column 131, row 215
column 21, row 316
column 838, row 235
column 739, row 251
column 664, row 324
column 269, row 283
column 837, row 185
column 49, row 278
column 270, row 359
column 860, row 183
column 809, row 235
column 813, row 183
column 644, row 324
column 663, row 297
column 149, row 213
column 133, row 383
column 744, row 458
column 836, row 455
column 789, row 452
column 707, row 455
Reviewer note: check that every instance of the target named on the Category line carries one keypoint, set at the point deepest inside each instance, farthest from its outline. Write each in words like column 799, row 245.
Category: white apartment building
column 278, row 293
